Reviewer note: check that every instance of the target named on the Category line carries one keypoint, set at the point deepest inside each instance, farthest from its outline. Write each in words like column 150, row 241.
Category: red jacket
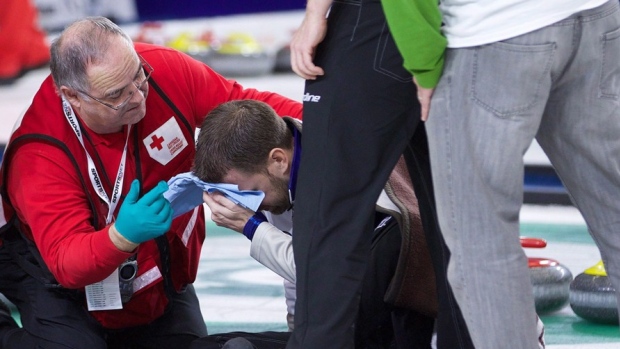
column 50, row 191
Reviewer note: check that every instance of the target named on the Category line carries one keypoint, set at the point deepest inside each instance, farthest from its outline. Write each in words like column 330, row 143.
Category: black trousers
column 260, row 340
column 379, row 325
column 53, row 319
column 358, row 119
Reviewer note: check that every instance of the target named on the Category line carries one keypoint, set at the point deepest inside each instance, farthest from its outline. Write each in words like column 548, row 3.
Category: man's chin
column 278, row 210
column 134, row 115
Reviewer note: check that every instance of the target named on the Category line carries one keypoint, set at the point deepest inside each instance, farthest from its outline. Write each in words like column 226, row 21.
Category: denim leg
column 485, row 112
column 484, row 115
column 580, row 131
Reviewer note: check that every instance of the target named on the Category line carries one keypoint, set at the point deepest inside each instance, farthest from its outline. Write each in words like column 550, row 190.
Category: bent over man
column 247, row 144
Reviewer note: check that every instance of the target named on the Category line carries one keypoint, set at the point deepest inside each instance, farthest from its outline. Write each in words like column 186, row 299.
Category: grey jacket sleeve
column 273, row 248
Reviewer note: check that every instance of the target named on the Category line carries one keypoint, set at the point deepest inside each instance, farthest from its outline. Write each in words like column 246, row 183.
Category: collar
column 292, row 183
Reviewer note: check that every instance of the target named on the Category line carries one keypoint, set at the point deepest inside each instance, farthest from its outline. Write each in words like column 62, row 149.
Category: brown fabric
column 413, row 285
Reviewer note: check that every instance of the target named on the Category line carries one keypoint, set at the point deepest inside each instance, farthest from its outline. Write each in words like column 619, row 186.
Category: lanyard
column 95, row 179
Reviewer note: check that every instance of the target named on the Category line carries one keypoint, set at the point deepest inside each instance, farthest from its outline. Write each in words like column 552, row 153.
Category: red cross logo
column 157, row 141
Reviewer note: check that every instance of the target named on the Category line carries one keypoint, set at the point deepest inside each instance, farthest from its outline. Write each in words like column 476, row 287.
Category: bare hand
column 303, row 45
column 424, row 97
column 226, row 213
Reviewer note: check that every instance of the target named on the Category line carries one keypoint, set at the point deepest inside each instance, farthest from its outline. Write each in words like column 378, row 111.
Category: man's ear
column 71, row 95
column 278, row 163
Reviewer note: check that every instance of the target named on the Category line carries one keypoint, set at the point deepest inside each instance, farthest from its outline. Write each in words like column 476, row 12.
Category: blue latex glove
column 145, row 218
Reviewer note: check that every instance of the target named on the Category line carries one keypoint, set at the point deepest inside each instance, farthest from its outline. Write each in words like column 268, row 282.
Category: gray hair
column 83, row 42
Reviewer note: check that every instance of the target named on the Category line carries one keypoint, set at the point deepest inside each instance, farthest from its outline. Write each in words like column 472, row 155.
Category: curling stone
column 592, row 297
column 151, row 33
column 550, row 279
column 197, row 47
column 551, row 282
column 240, row 55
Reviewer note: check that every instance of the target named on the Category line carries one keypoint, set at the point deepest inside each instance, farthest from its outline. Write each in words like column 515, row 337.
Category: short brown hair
column 238, row 135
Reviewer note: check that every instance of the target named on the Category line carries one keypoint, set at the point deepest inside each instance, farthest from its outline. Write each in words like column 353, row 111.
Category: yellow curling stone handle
column 596, row 270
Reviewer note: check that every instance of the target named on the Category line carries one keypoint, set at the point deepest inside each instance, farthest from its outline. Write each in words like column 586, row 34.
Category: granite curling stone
column 240, row 55
column 550, row 282
column 592, row 297
column 550, row 279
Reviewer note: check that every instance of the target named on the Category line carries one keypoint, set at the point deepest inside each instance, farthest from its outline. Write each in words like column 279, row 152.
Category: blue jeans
column 561, row 85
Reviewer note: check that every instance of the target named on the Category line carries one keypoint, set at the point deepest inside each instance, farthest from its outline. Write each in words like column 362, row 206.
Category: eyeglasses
column 138, row 82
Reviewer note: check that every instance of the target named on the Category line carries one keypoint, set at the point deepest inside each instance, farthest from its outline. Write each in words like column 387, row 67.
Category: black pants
column 379, row 325
column 53, row 319
column 362, row 117
column 261, row 340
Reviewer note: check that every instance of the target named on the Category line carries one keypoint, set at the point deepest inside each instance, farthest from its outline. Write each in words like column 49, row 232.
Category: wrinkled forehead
column 117, row 68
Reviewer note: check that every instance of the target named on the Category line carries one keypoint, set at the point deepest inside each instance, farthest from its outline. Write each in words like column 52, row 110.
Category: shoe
column 23, row 43
column 36, row 56
column 17, row 64
column 9, row 80
column 9, row 71
column 238, row 343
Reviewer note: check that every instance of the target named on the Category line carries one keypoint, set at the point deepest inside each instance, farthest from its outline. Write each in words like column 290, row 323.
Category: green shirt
column 416, row 28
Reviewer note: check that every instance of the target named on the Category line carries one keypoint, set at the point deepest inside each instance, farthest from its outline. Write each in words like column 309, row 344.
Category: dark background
column 149, row 10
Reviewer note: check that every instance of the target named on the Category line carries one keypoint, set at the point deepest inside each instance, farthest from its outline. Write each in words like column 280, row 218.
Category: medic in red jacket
column 47, row 180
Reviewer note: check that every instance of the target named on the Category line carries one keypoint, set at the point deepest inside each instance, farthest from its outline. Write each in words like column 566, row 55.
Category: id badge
column 105, row 294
